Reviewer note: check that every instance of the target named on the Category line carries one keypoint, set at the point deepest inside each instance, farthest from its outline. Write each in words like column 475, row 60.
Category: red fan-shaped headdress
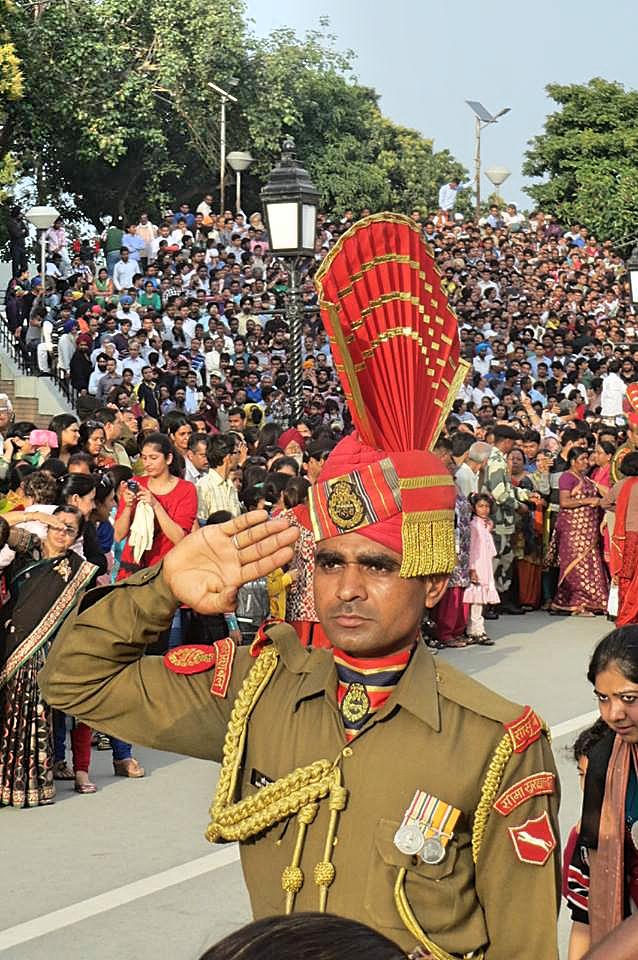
column 395, row 343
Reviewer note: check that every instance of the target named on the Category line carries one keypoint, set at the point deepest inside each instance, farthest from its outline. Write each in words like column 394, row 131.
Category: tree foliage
column 121, row 117
column 588, row 157
column 11, row 89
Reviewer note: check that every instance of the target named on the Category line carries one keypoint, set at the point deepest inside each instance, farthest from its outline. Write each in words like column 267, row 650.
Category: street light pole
column 482, row 118
column 239, row 161
column 290, row 202
column 295, row 320
column 222, row 155
column 477, row 167
column 225, row 97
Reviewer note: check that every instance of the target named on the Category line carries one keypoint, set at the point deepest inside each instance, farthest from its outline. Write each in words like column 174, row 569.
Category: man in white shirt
column 206, row 206
column 147, row 231
column 613, row 393
column 482, row 362
column 135, row 361
column 124, row 270
column 196, row 457
column 214, row 490
column 447, row 195
column 466, row 477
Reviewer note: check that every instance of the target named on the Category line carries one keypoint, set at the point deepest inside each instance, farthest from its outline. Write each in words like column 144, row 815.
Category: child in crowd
column 581, row 750
column 482, row 589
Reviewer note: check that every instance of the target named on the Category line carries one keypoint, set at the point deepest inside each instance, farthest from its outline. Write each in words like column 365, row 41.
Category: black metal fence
column 26, row 361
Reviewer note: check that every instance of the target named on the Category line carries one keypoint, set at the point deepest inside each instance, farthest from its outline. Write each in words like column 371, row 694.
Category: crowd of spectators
column 174, row 338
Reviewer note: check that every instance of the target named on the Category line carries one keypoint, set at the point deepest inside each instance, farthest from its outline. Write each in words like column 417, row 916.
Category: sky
column 427, row 58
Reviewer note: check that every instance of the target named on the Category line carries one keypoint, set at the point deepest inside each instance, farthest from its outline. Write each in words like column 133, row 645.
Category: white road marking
column 50, row 922
column 58, row 919
column 576, row 723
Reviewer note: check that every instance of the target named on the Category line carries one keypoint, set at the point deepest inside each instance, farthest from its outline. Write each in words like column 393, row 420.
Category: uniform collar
column 416, row 691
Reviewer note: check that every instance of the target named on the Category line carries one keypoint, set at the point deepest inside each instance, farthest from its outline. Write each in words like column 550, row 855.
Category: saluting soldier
column 367, row 780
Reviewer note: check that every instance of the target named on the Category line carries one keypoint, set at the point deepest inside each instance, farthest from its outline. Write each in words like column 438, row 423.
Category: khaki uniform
column 439, row 732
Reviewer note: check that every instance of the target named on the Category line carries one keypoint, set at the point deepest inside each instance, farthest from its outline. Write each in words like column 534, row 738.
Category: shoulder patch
column 225, row 654
column 196, row 658
column 534, row 841
column 525, row 730
column 533, row 786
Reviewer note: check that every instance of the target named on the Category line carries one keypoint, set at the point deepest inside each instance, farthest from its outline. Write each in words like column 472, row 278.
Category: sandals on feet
column 128, row 768
column 485, row 641
column 85, row 788
column 61, row 771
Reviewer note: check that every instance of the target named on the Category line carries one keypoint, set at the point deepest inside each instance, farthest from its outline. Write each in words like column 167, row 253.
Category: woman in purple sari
column 576, row 546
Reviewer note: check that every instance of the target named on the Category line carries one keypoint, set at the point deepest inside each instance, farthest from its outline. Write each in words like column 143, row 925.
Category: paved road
column 126, row 872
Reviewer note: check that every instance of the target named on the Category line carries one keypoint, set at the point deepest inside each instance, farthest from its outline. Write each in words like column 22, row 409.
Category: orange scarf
column 619, row 537
column 607, row 883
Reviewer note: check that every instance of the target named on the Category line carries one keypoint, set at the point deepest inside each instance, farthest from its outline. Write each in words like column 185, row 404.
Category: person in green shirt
column 150, row 297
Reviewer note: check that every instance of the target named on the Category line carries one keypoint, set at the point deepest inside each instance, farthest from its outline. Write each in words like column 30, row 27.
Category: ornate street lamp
column 42, row 218
column 290, row 202
column 632, row 269
column 239, row 161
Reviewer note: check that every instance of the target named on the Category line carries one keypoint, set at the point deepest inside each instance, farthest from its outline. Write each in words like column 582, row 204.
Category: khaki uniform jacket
column 437, row 733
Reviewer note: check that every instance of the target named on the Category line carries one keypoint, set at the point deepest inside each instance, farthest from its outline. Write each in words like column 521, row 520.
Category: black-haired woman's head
column 613, row 672
column 67, row 429
column 304, row 936
column 159, row 456
column 629, row 465
column 19, row 471
column 78, row 490
column 69, row 510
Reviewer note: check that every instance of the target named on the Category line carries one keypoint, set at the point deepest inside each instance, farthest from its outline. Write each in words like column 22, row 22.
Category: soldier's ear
column 435, row 587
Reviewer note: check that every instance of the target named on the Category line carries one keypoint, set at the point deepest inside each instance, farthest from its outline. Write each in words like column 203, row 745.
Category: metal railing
column 26, row 362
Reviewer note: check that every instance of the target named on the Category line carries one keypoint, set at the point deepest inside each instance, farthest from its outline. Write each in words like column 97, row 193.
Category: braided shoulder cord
column 489, row 790
column 252, row 815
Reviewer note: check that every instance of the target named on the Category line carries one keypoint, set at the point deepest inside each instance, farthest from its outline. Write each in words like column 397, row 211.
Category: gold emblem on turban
column 346, row 509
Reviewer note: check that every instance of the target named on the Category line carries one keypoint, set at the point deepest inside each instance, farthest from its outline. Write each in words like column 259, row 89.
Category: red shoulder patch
column 525, row 730
column 225, row 651
column 262, row 639
column 532, row 786
column 196, row 658
column 534, row 841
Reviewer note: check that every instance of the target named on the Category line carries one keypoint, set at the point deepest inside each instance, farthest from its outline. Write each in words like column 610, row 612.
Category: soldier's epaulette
column 522, row 724
column 285, row 638
column 198, row 658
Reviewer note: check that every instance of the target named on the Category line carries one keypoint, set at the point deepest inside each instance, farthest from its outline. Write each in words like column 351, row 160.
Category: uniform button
column 346, row 752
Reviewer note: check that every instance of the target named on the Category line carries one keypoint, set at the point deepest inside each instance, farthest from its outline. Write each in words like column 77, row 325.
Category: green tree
column 588, row 157
column 122, row 119
column 11, row 89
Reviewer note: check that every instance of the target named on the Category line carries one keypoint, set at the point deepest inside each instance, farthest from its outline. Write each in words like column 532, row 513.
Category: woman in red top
column 173, row 502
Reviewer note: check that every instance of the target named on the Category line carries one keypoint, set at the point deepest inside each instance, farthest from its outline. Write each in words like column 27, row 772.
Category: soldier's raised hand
column 206, row 569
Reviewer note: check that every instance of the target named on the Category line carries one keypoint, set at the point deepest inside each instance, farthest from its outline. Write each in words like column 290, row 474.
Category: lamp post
column 239, row 161
column 482, row 118
column 225, row 97
column 497, row 177
column 632, row 269
column 42, row 218
column 290, row 202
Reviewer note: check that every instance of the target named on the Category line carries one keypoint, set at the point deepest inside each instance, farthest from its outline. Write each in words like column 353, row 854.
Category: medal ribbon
column 434, row 817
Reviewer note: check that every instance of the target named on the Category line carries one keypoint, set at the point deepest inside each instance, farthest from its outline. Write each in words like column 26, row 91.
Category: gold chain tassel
column 324, row 870
column 292, row 878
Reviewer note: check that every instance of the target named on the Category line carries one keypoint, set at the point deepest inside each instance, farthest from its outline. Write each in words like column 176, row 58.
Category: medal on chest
column 355, row 704
column 427, row 827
